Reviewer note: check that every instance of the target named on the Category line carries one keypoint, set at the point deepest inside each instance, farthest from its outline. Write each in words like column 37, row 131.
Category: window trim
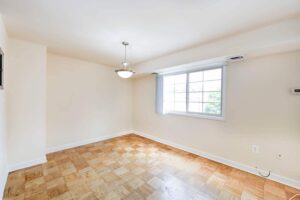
column 195, row 114
column 1, row 69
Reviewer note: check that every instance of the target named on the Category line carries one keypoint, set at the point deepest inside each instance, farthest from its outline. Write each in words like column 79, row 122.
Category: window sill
column 211, row 117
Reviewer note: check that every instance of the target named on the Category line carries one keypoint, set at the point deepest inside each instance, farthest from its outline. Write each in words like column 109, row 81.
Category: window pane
column 212, row 86
column 181, row 87
column 168, row 105
column 212, row 97
column 168, row 80
column 168, row 96
column 195, row 87
column 195, row 107
column 168, row 88
column 181, row 78
column 174, row 93
column 214, row 74
column 205, row 95
column 212, row 108
column 180, row 97
column 195, row 97
column 196, row 76
column 179, row 106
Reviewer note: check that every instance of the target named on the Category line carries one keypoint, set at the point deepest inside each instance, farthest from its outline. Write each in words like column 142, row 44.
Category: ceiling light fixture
column 125, row 72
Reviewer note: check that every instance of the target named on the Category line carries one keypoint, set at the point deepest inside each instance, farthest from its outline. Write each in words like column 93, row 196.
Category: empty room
column 150, row 100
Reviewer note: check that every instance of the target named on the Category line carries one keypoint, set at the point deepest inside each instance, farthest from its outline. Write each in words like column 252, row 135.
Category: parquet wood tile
column 135, row 168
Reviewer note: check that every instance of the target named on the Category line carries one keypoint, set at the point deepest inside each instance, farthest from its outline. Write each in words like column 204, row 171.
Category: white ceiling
column 93, row 29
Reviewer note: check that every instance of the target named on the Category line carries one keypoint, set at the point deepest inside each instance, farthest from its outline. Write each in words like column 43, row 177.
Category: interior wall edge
column 26, row 103
column 250, row 169
column 3, row 179
column 70, row 57
column 3, row 116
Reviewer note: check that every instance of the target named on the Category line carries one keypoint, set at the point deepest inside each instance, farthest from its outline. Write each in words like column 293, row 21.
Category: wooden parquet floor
column 133, row 168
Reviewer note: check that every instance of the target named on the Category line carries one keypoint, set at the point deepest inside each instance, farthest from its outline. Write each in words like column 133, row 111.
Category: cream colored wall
column 85, row 101
column 3, row 132
column 259, row 110
column 26, row 101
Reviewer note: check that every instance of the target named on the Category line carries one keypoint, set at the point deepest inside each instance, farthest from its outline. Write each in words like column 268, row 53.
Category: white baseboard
column 87, row 141
column 243, row 167
column 25, row 164
column 231, row 163
column 30, row 163
column 3, row 179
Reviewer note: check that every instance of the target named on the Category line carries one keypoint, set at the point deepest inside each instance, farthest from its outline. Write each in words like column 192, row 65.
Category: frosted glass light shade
column 125, row 73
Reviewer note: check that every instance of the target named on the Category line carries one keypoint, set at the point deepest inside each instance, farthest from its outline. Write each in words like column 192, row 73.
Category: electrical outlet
column 255, row 148
column 279, row 156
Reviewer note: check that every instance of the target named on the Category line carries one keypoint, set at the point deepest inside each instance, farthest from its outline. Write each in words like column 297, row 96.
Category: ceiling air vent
column 236, row 58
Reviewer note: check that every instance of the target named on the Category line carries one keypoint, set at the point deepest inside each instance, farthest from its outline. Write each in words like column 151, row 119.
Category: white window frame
column 187, row 113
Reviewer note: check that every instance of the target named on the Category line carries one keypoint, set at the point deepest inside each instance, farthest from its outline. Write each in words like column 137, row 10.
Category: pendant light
column 125, row 71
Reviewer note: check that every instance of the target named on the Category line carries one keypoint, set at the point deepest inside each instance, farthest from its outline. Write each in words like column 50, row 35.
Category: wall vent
column 236, row 58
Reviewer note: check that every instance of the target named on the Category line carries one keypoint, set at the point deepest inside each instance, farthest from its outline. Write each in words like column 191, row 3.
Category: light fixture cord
column 125, row 58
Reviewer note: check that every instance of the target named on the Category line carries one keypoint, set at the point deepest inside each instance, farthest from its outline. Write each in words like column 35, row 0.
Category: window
column 1, row 69
column 197, row 93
